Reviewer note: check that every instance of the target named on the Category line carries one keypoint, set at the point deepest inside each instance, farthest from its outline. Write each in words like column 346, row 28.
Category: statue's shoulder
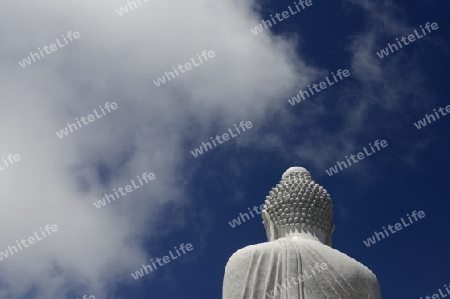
column 246, row 255
column 346, row 261
column 354, row 270
column 257, row 249
column 244, row 266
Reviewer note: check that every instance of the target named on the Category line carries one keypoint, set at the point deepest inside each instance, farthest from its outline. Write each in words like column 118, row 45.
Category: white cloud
column 117, row 59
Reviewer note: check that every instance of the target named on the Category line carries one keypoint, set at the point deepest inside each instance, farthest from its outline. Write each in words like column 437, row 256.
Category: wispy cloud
column 376, row 102
column 116, row 60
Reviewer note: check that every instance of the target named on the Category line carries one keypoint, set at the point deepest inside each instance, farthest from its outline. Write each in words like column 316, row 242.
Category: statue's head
column 298, row 204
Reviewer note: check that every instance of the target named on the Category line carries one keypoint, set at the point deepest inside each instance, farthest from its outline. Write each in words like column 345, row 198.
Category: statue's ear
column 328, row 240
column 270, row 227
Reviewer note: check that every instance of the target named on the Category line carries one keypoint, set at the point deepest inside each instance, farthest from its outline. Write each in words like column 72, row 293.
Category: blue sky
column 193, row 199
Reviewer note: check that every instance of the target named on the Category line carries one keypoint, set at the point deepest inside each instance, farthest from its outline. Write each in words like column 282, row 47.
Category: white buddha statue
column 297, row 262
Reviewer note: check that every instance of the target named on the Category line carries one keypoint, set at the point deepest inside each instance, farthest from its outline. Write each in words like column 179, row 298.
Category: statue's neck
column 300, row 233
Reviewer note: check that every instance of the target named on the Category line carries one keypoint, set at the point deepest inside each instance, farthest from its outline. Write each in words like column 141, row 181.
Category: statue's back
column 297, row 268
column 298, row 261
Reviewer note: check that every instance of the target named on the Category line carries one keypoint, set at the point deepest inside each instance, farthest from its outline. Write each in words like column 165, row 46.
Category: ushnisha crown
column 298, row 202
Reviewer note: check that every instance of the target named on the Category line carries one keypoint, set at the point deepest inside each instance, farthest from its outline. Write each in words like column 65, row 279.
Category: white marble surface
column 299, row 240
column 254, row 272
